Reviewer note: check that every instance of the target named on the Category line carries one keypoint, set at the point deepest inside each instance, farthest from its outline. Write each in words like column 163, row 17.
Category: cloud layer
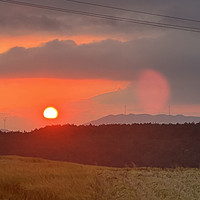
column 19, row 20
column 173, row 56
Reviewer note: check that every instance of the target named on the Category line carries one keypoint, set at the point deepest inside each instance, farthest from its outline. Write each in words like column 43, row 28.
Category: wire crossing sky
column 134, row 11
column 108, row 17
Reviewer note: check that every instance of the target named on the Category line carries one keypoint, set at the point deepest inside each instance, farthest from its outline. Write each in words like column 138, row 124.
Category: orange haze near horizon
column 29, row 97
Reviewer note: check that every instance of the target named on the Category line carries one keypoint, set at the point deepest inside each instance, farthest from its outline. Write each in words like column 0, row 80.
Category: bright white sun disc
column 50, row 113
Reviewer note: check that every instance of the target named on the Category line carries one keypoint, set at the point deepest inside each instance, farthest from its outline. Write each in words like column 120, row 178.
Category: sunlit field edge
column 38, row 179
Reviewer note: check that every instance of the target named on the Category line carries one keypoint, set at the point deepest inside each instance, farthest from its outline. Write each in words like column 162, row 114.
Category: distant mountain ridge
column 145, row 118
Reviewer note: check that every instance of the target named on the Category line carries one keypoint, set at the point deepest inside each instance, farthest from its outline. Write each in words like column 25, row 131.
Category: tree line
column 141, row 145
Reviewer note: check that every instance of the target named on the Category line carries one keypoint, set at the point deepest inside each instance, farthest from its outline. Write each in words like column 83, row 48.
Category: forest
column 135, row 145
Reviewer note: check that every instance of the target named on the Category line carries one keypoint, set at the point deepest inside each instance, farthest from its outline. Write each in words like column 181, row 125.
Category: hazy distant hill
column 145, row 118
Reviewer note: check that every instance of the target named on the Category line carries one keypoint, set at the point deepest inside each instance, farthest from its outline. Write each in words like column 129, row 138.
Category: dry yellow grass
column 38, row 179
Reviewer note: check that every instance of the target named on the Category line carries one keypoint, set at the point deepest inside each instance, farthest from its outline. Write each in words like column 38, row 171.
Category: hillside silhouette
column 142, row 145
column 145, row 118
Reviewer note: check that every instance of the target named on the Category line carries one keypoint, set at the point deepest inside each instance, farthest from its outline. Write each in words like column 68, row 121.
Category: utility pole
column 125, row 109
column 4, row 123
column 169, row 110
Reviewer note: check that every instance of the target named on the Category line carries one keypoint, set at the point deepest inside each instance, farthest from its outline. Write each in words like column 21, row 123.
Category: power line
column 108, row 17
column 134, row 11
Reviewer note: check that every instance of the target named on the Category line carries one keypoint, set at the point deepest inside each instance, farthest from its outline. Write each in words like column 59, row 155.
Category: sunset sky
column 89, row 67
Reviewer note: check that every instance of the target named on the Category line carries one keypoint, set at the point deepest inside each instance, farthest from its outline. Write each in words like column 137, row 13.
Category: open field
column 38, row 179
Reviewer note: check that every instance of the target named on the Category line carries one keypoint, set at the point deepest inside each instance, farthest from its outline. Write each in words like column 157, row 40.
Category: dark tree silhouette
column 146, row 145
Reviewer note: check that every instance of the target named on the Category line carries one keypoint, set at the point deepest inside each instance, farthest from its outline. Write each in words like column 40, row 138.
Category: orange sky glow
column 27, row 98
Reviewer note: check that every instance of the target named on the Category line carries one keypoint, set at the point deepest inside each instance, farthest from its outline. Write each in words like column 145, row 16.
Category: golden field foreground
column 38, row 179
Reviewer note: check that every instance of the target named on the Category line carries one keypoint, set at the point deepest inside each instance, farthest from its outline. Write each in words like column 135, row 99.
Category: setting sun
column 50, row 113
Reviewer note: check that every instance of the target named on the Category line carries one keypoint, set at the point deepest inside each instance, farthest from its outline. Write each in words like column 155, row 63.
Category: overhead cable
column 108, row 17
column 134, row 11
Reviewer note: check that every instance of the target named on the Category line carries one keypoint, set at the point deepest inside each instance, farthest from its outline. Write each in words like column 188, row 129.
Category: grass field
column 38, row 179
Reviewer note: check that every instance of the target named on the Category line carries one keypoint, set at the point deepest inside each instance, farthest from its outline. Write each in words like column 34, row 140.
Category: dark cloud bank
column 18, row 20
column 175, row 57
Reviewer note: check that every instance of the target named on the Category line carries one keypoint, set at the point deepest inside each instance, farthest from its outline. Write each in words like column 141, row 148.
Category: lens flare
column 153, row 91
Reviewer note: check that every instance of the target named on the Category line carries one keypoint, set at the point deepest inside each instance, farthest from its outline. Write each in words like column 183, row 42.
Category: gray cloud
column 16, row 20
column 175, row 56
column 64, row 59
column 22, row 21
column 120, row 97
